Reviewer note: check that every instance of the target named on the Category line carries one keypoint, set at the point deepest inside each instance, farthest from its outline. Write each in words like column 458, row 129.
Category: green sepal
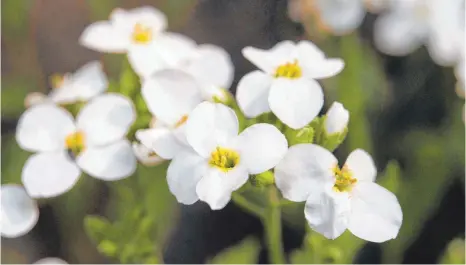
column 129, row 81
column 332, row 141
column 263, row 179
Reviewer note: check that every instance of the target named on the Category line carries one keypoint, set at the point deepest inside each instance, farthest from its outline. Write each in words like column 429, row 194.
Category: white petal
column 336, row 119
column 361, row 165
column 261, row 147
column 171, row 94
column 252, row 93
column 211, row 66
column 146, row 15
column 35, row 98
column 304, row 167
column 296, row 102
column 19, row 212
column 322, row 68
column 50, row 260
column 309, row 51
column 111, row 162
column 44, row 127
column 145, row 155
column 398, row 34
column 161, row 140
column 106, row 119
column 49, row 174
column 183, row 174
column 375, row 213
column 210, row 125
column 327, row 212
column 102, row 36
column 341, row 16
column 166, row 51
column 215, row 187
column 269, row 60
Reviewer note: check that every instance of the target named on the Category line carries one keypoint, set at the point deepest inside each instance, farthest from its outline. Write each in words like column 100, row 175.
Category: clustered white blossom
column 182, row 84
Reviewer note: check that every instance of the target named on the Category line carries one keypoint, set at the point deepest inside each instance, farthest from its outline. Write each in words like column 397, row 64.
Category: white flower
column 341, row 16
column 336, row 119
column 145, row 155
column 86, row 83
column 285, row 82
column 50, row 260
column 140, row 32
column 170, row 96
column 410, row 23
column 19, row 212
column 339, row 198
column 221, row 160
column 94, row 144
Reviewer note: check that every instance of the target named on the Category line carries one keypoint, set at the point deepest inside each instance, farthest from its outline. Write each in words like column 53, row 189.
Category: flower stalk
column 273, row 228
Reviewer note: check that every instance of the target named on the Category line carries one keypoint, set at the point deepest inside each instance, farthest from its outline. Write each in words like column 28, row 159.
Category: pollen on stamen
column 142, row 34
column 224, row 159
column 182, row 121
column 344, row 180
column 289, row 70
column 75, row 143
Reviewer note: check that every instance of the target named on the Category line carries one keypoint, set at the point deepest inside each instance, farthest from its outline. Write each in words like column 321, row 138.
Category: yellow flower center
column 75, row 143
column 142, row 34
column 182, row 121
column 289, row 70
column 344, row 180
column 224, row 159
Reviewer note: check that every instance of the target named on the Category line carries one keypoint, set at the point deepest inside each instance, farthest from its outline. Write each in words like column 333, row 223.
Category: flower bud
column 337, row 118
column 146, row 156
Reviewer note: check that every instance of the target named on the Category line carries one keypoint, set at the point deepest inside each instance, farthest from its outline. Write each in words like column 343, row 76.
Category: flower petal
column 161, row 140
column 309, row 51
column 376, row 215
column 86, row 83
column 210, row 125
column 360, row 163
column 337, row 118
column 296, row 102
column 261, row 147
column 111, row 162
column 145, row 15
column 302, row 169
column 341, row 16
column 106, row 119
column 19, row 212
column 215, row 187
column 50, row 260
column 398, row 33
column 49, row 174
column 171, row 94
column 102, row 36
column 183, row 174
column 44, row 127
column 327, row 212
column 252, row 93
column 322, row 69
column 269, row 60
column 165, row 52
column 211, row 66
column 145, row 155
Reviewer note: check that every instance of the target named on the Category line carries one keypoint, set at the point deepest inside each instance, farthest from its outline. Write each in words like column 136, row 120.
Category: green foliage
column 455, row 253
column 13, row 159
column 246, row 252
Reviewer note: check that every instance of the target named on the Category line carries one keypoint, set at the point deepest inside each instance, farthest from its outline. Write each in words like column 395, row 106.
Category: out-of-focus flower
column 339, row 198
column 285, row 82
column 94, row 144
column 86, row 83
column 336, row 119
column 19, row 212
column 50, row 260
column 139, row 32
column 170, row 96
column 438, row 24
column 145, row 155
column 221, row 160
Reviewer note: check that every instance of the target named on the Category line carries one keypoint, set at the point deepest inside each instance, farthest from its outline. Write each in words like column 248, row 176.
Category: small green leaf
column 108, row 248
column 97, row 227
column 246, row 252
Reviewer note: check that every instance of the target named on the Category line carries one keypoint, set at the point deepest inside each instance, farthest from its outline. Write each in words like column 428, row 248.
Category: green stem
column 273, row 229
column 246, row 205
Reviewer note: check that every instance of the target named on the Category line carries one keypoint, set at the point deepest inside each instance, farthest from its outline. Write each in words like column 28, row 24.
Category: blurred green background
column 404, row 111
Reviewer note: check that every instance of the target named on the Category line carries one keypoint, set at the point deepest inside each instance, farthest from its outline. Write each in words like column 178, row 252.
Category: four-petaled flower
column 221, row 160
column 285, row 82
column 95, row 144
column 339, row 198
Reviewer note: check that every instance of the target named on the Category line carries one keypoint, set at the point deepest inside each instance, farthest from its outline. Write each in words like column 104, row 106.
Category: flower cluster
column 199, row 127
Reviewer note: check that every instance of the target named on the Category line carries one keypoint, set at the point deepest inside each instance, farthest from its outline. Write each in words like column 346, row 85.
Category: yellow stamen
column 289, row 70
column 142, row 34
column 75, row 142
column 224, row 159
column 182, row 121
column 344, row 180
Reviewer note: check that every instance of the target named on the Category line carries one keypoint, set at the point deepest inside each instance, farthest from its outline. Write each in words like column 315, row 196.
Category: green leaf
column 246, row 252
column 13, row 159
column 108, row 248
column 455, row 253
column 391, row 177
column 97, row 228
